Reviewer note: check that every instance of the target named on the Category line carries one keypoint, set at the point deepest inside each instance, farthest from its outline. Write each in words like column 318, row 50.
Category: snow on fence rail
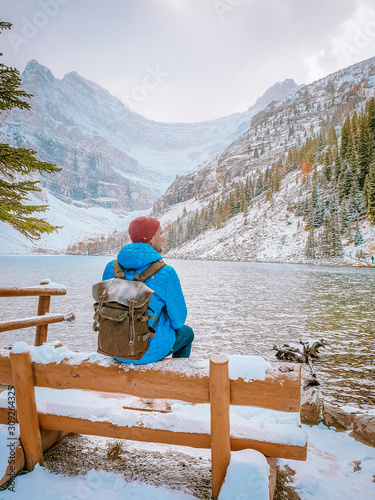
column 44, row 291
column 278, row 389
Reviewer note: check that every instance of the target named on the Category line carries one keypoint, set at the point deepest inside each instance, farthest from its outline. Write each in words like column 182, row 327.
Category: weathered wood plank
column 42, row 329
column 269, row 449
column 134, row 433
column 149, row 383
column 4, row 416
column 78, row 425
column 30, row 292
column 49, row 438
column 219, row 413
column 26, row 408
column 280, row 390
column 16, row 324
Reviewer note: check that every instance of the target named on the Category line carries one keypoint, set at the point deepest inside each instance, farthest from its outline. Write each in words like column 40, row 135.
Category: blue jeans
column 182, row 346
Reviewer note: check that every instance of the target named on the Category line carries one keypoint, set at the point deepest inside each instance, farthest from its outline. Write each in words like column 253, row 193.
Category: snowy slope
column 282, row 125
column 78, row 224
column 270, row 231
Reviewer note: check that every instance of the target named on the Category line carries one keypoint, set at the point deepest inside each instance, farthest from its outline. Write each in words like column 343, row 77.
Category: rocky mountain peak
column 277, row 92
column 111, row 156
column 37, row 73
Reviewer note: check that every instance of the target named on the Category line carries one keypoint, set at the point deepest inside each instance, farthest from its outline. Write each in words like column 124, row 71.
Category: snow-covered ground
column 268, row 233
column 328, row 474
column 78, row 224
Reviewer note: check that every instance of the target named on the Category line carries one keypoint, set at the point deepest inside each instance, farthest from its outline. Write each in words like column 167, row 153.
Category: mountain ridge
column 112, row 158
column 274, row 228
column 80, row 126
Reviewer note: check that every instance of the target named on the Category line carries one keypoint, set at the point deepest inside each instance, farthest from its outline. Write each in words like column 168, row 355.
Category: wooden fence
column 43, row 317
column 280, row 390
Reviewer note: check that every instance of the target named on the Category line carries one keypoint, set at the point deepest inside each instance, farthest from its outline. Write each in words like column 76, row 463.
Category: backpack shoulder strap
column 150, row 271
column 118, row 270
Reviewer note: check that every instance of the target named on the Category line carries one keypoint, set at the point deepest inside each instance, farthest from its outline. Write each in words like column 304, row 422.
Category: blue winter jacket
column 167, row 288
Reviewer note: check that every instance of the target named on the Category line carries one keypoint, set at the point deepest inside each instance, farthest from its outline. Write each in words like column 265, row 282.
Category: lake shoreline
column 339, row 262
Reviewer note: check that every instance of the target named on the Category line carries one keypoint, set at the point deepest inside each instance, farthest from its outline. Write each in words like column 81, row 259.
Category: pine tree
column 316, row 211
column 354, row 202
column 345, row 138
column 259, row 185
column 345, row 181
column 189, row 229
column 332, row 137
column 370, row 191
column 218, row 216
column 243, row 205
column 327, row 162
column 211, row 214
column 322, row 140
column 363, row 151
column 337, row 248
column 329, row 243
column 275, row 178
column 342, row 217
column 357, row 237
column 325, row 240
column 370, row 109
column 310, row 249
column 180, row 233
column 15, row 163
column 355, row 129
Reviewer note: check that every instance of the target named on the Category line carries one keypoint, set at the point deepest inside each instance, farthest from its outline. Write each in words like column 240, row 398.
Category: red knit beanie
column 142, row 229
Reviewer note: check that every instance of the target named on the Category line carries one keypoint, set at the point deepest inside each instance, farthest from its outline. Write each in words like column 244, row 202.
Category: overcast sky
column 189, row 60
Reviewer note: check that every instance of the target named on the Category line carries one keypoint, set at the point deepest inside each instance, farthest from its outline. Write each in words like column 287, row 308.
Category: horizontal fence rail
column 16, row 324
column 44, row 291
column 278, row 391
column 31, row 291
column 76, row 425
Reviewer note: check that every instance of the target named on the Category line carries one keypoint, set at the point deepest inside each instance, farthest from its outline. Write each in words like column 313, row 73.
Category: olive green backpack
column 122, row 313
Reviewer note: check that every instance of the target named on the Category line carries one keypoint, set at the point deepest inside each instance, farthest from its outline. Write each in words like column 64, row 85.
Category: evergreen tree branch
column 15, row 207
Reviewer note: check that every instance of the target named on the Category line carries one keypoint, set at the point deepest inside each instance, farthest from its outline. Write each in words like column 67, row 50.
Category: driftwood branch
column 305, row 354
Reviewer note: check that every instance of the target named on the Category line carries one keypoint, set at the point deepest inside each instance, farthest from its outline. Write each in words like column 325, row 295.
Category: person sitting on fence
column 172, row 336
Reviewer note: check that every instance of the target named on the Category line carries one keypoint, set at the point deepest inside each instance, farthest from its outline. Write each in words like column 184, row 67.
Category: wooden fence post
column 43, row 308
column 26, row 408
column 220, row 428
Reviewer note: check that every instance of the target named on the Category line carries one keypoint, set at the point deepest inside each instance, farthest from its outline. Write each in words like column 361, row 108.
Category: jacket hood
column 137, row 255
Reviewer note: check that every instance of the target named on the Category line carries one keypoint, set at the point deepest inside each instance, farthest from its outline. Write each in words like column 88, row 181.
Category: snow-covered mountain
column 112, row 158
column 271, row 230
